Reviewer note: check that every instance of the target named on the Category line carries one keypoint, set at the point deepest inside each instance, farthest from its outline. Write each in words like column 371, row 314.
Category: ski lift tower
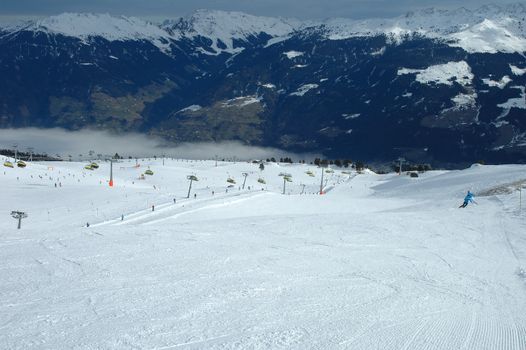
column 286, row 178
column 30, row 149
column 244, row 181
column 19, row 215
column 401, row 160
column 322, row 166
column 192, row 178
column 15, row 146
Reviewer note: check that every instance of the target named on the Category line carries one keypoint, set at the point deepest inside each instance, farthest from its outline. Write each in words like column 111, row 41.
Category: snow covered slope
column 223, row 28
column 379, row 261
column 87, row 25
column 487, row 29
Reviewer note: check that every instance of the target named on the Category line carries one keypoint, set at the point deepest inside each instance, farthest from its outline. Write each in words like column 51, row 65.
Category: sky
column 303, row 9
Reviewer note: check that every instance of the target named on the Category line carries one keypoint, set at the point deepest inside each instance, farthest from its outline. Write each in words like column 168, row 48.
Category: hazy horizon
column 163, row 9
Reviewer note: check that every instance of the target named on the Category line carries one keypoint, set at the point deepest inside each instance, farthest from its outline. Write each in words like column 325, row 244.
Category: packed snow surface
column 446, row 74
column 378, row 262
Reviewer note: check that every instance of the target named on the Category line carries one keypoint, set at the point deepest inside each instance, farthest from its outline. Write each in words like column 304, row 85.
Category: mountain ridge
column 505, row 24
column 432, row 90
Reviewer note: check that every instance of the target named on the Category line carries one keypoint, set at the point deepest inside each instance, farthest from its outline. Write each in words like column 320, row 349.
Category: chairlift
column 192, row 177
column 94, row 165
column 310, row 173
column 262, row 181
column 231, row 180
column 148, row 172
column 88, row 167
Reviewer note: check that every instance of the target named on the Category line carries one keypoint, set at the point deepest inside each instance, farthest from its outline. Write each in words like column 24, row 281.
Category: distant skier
column 87, row 224
column 467, row 200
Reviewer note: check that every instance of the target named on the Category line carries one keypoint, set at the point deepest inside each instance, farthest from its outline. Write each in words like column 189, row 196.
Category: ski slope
column 378, row 262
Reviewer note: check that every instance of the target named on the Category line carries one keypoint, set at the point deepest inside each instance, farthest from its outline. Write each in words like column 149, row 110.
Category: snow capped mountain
column 86, row 25
column 219, row 75
column 487, row 29
column 490, row 28
column 488, row 36
column 223, row 28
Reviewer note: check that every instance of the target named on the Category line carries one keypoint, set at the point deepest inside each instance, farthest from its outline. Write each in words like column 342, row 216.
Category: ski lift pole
column 192, row 178
column 15, row 146
column 284, row 182
column 321, row 183
column 189, row 189
column 111, row 172
column 244, row 181
column 401, row 160
column 520, row 198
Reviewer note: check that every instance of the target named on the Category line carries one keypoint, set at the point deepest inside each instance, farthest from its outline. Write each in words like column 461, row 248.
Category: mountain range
column 437, row 86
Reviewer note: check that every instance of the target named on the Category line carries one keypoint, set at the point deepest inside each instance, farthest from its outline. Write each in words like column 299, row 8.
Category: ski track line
column 131, row 217
column 192, row 342
column 210, row 206
column 471, row 330
column 415, row 335
column 134, row 214
column 426, row 318
column 170, row 206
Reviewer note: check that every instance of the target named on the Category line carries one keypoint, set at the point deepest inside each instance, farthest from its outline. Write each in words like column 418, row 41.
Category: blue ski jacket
column 469, row 197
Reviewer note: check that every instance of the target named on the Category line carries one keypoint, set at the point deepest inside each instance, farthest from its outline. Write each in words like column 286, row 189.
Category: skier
column 467, row 199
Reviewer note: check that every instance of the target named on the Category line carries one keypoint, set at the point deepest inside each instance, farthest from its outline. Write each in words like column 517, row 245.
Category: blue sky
column 313, row 9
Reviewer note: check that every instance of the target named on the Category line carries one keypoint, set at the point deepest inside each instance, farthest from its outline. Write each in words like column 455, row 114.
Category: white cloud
column 64, row 142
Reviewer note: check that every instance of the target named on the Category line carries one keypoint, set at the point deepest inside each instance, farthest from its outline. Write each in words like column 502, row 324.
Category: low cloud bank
column 75, row 143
